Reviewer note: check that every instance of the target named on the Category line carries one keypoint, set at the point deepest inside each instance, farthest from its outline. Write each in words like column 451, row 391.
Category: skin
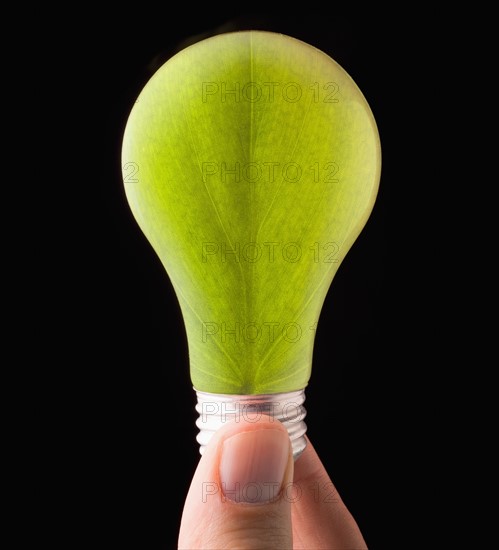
column 317, row 519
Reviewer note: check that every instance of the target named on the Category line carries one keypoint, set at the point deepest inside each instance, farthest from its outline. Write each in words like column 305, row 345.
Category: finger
column 320, row 518
column 236, row 497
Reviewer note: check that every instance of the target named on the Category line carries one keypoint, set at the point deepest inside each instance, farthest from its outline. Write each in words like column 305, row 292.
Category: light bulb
column 251, row 162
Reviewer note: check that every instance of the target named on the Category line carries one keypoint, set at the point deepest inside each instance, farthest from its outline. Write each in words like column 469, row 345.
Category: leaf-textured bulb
column 251, row 162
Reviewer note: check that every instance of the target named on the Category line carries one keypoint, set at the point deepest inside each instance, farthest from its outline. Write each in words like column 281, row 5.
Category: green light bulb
column 251, row 162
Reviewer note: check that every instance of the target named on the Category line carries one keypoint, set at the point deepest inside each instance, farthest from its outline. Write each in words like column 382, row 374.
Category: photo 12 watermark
column 270, row 92
column 287, row 412
column 253, row 492
column 269, row 172
column 268, row 331
column 269, row 252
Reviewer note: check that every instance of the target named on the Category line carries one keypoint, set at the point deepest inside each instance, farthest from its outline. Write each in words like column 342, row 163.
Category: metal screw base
column 216, row 409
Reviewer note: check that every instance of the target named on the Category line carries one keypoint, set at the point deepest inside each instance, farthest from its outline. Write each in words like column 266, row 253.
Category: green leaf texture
column 251, row 162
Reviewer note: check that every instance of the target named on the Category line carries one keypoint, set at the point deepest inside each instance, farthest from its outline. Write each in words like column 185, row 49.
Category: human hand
column 247, row 492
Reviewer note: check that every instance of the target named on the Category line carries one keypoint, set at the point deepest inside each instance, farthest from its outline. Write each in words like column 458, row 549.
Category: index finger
column 319, row 516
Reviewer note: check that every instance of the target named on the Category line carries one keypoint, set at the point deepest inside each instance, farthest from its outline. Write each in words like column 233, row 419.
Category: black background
column 131, row 443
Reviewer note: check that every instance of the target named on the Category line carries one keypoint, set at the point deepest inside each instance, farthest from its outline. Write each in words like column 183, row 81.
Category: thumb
column 237, row 495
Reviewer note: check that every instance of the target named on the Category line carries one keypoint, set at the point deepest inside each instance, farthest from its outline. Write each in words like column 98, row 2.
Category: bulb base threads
column 216, row 409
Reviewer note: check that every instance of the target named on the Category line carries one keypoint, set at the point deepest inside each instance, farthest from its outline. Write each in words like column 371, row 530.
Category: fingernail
column 253, row 465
